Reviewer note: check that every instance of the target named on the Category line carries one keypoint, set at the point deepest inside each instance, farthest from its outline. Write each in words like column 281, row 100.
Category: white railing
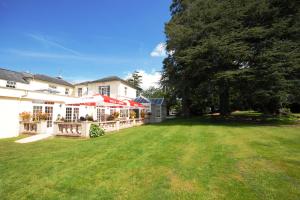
column 81, row 129
column 33, row 127
column 28, row 127
column 109, row 126
column 76, row 129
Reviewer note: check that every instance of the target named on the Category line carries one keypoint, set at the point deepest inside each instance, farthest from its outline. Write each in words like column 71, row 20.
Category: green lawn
column 178, row 159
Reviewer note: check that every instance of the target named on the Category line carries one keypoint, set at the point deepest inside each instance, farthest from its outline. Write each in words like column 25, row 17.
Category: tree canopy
column 233, row 54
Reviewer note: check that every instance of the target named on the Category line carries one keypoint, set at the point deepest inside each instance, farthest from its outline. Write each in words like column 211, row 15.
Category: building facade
column 36, row 93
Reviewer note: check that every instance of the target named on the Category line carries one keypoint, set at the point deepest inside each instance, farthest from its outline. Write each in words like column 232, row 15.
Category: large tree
column 233, row 53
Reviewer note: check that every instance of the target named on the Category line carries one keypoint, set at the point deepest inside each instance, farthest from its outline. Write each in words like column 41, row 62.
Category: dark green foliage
column 96, row 131
column 233, row 54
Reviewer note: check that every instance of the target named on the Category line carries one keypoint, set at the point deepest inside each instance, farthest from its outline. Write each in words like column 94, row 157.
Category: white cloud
column 159, row 50
column 150, row 79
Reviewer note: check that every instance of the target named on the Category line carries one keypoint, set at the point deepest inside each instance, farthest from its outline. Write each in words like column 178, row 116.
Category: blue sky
column 83, row 39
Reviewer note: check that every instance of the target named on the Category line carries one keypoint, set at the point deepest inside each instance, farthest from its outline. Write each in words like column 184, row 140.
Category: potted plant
column 132, row 114
column 42, row 116
column 116, row 115
column 25, row 116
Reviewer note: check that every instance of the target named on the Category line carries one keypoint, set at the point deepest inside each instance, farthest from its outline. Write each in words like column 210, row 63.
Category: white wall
column 40, row 85
column 9, row 116
column 131, row 92
column 117, row 89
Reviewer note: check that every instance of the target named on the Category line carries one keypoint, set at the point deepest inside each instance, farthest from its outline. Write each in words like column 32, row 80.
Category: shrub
column 82, row 119
column 90, row 118
column 96, row 131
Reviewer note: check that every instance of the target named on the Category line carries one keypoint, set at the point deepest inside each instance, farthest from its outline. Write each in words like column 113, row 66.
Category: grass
column 199, row 158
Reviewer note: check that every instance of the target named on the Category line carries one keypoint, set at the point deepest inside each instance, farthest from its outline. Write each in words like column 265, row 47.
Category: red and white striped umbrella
column 97, row 100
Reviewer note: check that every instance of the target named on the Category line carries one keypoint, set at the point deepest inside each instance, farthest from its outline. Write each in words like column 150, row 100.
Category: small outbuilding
column 156, row 107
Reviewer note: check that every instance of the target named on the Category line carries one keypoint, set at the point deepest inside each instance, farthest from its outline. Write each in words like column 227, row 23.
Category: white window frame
column 79, row 92
column 67, row 90
column 104, row 90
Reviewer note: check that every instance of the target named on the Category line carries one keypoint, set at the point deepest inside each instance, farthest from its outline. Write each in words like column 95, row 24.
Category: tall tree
column 222, row 51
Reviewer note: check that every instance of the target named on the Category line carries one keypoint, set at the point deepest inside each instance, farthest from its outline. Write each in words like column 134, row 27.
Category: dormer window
column 11, row 84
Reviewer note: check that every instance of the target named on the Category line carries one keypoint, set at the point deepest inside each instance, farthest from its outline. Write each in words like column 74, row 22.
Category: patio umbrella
column 97, row 100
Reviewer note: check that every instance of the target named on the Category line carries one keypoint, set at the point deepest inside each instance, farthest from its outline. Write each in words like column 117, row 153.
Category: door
column 49, row 111
column 101, row 115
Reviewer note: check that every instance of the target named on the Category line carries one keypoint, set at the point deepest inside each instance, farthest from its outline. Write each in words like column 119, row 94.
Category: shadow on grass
column 243, row 119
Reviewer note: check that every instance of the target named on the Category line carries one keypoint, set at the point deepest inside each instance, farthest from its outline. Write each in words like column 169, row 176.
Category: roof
column 10, row 75
column 142, row 99
column 155, row 101
column 50, row 79
column 22, row 77
column 108, row 79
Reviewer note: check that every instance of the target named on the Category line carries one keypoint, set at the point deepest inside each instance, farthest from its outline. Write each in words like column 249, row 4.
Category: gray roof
column 155, row 101
column 22, row 77
column 141, row 99
column 50, row 79
column 9, row 75
column 107, row 79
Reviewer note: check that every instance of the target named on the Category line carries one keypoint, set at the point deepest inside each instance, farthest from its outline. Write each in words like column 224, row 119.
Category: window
column 123, row 113
column 112, row 111
column 104, row 90
column 11, row 84
column 67, row 91
column 157, row 112
column 80, row 92
column 36, row 111
column 72, row 114
column 100, row 115
column 68, row 114
column 125, row 91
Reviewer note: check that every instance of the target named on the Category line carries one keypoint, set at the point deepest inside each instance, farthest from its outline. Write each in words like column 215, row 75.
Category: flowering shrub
column 96, row 131
column 132, row 114
column 25, row 116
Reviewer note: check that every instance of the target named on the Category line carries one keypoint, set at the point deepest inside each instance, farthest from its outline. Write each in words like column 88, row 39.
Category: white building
column 34, row 93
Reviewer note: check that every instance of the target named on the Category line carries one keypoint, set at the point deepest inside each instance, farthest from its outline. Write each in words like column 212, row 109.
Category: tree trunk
column 186, row 104
column 224, row 99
